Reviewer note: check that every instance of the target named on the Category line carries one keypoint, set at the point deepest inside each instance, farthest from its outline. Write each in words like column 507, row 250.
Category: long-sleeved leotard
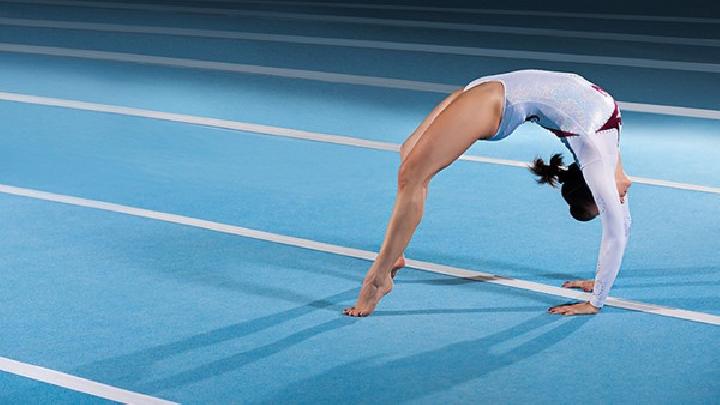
column 597, row 156
column 588, row 121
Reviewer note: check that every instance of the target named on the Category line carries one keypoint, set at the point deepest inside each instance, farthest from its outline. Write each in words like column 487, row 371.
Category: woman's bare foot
column 586, row 285
column 583, row 308
column 372, row 291
column 399, row 264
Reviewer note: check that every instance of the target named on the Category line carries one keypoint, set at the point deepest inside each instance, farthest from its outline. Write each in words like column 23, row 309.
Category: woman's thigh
column 473, row 115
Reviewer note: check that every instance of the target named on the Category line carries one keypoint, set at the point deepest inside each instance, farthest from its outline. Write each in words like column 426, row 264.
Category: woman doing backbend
column 585, row 117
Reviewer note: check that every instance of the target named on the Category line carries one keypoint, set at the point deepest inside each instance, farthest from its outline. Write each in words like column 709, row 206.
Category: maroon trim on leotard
column 613, row 122
column 599, row 89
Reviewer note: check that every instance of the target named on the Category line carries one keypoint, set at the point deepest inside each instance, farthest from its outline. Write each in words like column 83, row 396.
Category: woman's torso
column 564, row 103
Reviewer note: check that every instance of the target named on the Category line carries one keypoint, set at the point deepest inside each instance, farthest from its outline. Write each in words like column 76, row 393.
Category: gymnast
column 583, row 115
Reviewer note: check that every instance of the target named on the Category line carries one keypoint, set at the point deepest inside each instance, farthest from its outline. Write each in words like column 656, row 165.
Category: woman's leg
column 474, row 114
column 410, row 142
column 408, row 146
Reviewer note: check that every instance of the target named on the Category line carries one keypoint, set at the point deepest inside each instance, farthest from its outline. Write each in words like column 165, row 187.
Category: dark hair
column 574, row 189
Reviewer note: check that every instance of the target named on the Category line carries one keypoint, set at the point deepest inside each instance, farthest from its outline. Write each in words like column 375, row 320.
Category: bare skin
column 583, row 308
column 471, row 115
column 585, row 285
column 408, row 146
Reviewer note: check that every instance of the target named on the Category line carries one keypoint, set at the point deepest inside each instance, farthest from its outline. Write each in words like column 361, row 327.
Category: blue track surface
column 195, row 316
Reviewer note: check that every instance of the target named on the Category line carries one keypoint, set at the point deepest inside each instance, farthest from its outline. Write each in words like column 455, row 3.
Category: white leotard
column 563, row 102
column 575, row 109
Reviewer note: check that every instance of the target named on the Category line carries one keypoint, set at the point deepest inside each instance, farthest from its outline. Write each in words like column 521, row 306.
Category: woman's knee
column 411, row 175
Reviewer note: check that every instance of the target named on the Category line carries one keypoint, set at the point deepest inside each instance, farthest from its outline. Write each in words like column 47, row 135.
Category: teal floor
column 196, row 316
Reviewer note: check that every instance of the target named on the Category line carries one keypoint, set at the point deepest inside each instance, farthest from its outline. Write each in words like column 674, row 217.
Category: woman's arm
column 615, row 226
column 597, row 155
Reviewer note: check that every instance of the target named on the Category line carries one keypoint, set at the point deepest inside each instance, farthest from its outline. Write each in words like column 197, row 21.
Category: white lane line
column 78, row 384
column 672, row 184
column 288, row 133
column 297, row 39
column 245, row 68
column 676, row 111
column 355, row 253
column 488, row 11
column 373, row 81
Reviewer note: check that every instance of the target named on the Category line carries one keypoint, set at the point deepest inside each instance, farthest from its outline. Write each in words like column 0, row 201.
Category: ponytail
column 549, row 174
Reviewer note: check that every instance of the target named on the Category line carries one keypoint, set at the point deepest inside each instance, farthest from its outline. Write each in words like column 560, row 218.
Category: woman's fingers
column 557, row 309
column 623, row 184
column 583, row 308
column 585, row 285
